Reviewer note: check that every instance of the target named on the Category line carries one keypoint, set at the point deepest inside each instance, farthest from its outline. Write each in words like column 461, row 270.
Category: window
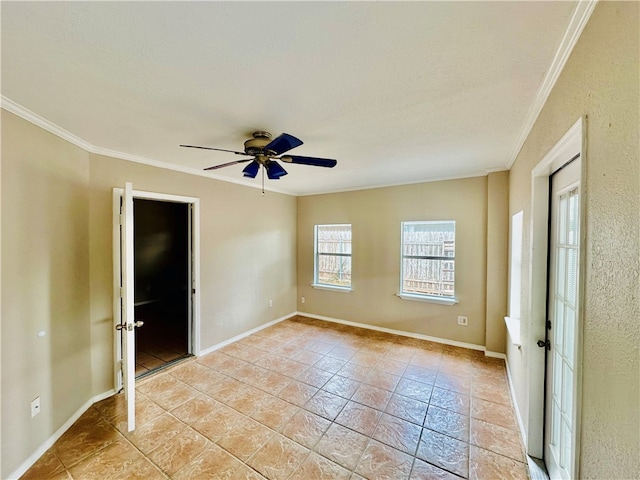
column 333, row 256
column 515, row 280
column 428, row 261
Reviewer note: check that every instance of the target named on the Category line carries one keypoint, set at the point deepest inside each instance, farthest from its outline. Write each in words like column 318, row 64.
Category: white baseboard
column 231, row 340
column 445, row 341
column 491, row 354
column 33, row 458
column 47, row 444
column 515, row 406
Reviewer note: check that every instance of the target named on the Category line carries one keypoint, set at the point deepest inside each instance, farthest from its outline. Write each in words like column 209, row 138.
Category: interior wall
column 57, row 224
column 45, row 276
column 600, row 80
column 375, row 216
column 247, row 254
column 497, row 260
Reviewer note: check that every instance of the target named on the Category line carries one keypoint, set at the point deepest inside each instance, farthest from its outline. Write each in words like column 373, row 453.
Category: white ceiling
column 397, row 92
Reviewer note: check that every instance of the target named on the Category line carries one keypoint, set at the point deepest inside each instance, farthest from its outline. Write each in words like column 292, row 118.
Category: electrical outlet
column 463, row 321
column 302, row 300
column 270, row 303
column 35, row 407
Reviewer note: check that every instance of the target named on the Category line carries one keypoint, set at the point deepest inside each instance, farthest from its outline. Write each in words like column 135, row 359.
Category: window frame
column 423, row 297
column 316, row 259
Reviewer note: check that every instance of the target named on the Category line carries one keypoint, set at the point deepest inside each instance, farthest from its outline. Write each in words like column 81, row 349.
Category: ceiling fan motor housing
column 255, row 146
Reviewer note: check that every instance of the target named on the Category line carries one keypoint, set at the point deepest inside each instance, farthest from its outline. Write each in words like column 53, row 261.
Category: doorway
column 554, row 353
column 161, row 283
column 164, row 304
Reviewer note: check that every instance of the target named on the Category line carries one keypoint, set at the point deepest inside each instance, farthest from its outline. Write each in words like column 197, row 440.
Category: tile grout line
column 333, row 339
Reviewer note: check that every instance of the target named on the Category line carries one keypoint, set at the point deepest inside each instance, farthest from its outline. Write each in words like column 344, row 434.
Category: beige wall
column 375, row 216
column 57, row 272
column 497, row 259
column 45, row 282
column 601, row 80
column 247, row 245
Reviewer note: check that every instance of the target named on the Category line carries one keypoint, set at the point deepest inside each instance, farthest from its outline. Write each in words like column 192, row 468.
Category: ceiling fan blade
column 251, row 170
column 314, row 161
column 215, row 167
column 275, row 170
column 283, row 143
column 211, row 148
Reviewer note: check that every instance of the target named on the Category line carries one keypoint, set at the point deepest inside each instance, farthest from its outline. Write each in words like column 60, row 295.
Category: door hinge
column 120, row 220
column 548, row 324
column 121, row 292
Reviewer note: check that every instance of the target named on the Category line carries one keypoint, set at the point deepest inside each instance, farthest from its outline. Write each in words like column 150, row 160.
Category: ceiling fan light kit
column 251, row 170
column 274, row 170
column 264, row 152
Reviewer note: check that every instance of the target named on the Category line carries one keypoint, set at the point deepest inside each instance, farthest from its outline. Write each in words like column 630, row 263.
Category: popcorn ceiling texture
column 601, row 81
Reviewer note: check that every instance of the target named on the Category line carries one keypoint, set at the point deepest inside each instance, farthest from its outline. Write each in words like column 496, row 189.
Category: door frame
column 572, row 143
column 194, row 266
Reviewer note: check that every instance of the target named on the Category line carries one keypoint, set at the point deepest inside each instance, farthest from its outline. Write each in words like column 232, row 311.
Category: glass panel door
column 564, row 249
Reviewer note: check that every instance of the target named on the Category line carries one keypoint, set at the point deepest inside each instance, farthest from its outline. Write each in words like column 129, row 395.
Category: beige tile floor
column 305, row 399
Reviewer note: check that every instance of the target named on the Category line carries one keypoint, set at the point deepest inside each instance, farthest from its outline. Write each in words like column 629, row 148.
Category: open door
column 127, row 322
column 562, row 339
column 124, row 307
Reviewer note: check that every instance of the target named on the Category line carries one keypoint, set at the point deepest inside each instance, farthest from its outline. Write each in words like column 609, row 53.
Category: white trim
column 570, row 144
column 489, row 353
column 234, row 339
column 335, row 288
column 402, row 333
column 481, row 173
column 445, row 341
column 535, row 471
column 579, row 18
column 513, row 327
column 196, row 320
column 512, row 392
column 11, row 106
column 117, row 313
column 427, row 298
column 48, row 443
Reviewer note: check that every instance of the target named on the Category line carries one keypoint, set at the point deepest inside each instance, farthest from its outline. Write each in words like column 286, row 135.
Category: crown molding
column 576, row 25
column 22, row 112
column 28, row 115
column 443, row 178
column 17, row 109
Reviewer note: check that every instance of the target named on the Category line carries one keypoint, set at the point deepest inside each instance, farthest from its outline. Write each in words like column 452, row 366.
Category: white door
column 563, row 302
column 128, row 323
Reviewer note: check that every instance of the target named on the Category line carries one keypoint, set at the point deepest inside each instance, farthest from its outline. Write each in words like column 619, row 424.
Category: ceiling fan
column 264, row 152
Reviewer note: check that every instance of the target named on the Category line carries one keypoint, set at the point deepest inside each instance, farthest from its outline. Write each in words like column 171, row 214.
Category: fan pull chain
column 262, row 181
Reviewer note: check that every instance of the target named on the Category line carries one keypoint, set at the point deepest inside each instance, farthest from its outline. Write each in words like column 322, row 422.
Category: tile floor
column 163, row 338
column 305, row 399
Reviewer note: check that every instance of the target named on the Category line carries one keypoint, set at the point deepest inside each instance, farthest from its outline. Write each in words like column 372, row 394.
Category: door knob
column 138, row 324
column 544, row 343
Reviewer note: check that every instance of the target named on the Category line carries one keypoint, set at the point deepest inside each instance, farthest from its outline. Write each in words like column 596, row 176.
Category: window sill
column 428, row 299
column 334, row 288
column 513, row 327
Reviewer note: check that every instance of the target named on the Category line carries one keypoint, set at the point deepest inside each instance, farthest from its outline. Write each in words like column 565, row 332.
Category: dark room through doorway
column 162, row 298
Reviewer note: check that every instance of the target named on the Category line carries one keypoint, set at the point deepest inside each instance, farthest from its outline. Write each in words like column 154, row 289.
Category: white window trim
column 335, row 288
column 417, row 297
column 513, row 328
